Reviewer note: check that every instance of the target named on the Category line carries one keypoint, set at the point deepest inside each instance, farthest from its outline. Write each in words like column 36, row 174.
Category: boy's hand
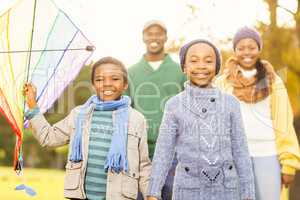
column 287, row 180
column 29, row 91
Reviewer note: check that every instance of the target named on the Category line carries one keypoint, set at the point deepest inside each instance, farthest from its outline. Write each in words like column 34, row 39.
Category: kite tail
column 18, row 161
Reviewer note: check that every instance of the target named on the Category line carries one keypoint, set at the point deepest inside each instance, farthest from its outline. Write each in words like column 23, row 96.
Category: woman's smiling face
column 247, row 53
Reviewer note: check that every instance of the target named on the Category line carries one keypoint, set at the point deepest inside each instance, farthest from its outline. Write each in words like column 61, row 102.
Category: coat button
column 230, row 167
column 133, row 174
column 204, row 110
column 187, row 169
column 212, row 100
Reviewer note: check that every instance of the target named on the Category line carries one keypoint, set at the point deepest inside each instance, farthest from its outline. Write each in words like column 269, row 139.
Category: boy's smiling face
column 109, row 82
column 200, row 64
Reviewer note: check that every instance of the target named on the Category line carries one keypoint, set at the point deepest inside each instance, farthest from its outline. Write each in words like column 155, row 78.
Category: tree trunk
column 273, row 13
column 273, row 31
column 297, row 20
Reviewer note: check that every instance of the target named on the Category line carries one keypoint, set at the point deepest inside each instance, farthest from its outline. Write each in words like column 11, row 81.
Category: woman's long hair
column 261, row 76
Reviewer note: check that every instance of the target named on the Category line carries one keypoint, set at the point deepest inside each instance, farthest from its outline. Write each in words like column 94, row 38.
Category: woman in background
column 266, row 113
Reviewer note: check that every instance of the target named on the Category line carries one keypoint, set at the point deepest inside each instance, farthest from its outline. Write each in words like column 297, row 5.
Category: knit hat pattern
column 247, row 32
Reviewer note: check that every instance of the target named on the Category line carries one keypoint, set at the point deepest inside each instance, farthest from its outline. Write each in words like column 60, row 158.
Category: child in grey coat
column 205, row 128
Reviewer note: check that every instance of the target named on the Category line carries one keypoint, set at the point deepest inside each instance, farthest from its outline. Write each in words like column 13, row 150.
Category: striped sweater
column 99, row 143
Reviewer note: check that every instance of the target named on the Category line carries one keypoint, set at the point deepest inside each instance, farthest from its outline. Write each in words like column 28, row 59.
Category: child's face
column 155, row 38
column 247, row 53
column 109, row 82
column 200, row 64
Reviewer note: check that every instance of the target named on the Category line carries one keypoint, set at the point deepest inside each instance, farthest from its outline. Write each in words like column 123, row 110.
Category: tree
column 297, row 19
column 296, row 16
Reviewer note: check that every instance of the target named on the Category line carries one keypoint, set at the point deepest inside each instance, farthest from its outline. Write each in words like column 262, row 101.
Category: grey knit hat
column 247, row 32
column 185, row 48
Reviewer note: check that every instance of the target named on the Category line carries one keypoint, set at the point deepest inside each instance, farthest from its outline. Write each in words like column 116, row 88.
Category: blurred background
column 113, row 26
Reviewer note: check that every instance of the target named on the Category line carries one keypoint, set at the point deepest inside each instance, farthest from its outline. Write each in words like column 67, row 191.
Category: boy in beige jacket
column 108, row 152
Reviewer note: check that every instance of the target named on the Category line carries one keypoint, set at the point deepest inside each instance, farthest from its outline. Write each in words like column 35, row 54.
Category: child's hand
column 151, row 198
column 29, row 91
column 287, row 180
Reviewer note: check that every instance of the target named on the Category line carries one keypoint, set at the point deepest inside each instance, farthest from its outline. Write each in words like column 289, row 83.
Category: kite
column 40, row 44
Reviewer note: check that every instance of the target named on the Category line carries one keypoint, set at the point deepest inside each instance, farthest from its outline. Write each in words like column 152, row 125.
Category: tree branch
column 287, row 10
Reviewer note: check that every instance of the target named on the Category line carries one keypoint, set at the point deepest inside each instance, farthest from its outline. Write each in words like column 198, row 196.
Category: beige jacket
column 121, row 186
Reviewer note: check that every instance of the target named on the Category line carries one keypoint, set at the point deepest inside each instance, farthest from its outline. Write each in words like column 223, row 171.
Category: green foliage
column 282, row 50
column 7, row 141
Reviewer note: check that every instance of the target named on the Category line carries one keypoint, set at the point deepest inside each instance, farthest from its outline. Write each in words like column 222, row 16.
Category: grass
column 47, row 183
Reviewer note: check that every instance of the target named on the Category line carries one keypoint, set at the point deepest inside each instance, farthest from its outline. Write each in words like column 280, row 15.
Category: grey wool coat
column 204, row 128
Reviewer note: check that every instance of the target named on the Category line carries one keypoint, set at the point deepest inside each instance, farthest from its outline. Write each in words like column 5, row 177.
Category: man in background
column 152, row 81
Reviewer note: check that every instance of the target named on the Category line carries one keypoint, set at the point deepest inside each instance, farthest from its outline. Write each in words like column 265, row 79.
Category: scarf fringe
column 116, row 163
column 76, row 155
column 117, row 159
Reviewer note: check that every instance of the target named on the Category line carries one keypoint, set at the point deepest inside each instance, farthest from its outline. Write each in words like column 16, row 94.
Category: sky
column 115, row 26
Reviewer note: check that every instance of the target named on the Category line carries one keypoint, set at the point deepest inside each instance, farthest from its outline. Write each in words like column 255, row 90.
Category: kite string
column 19, row 162
column 31, row 40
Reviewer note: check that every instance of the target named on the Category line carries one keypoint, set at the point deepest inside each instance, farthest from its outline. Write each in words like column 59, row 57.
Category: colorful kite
column 38, row 43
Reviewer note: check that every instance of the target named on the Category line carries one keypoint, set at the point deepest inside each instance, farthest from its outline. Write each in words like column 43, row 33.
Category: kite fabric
column 39, row 44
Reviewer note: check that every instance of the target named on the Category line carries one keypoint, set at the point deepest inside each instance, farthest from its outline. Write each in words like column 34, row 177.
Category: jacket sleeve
column 52, row 136
column 145, row 162
column 286, row 138
column 164, row 152
column 240, row 153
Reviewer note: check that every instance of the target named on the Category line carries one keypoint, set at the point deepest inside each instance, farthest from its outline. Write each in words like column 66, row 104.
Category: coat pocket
column 188, row 194
column 130, row 185
column 133, row 154
column 231, row 180
column 72, row 177
column 133, row 141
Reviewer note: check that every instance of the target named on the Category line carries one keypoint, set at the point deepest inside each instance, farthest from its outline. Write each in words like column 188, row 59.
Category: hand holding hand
column 152, row 198
column 287, row 180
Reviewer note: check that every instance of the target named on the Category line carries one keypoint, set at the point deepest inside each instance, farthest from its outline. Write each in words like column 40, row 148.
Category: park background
column 115, row 28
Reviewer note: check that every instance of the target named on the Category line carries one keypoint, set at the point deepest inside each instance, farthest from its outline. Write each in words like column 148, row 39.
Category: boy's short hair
column 109, row 60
